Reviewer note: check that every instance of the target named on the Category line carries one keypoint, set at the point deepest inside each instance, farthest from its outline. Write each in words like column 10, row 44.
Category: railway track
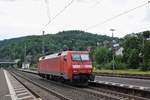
column 44, row 93
column 120, row 96
column 121, row 88
column 76, row 93
column 62, row 89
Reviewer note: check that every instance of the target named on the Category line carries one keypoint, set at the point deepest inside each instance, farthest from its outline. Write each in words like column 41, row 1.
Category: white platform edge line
column 10, row 87
column 123, row 85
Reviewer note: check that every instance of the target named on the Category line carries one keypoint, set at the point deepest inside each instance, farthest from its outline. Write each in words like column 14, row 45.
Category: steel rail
column 62, row 97
column 107, row 94
column 130, row 92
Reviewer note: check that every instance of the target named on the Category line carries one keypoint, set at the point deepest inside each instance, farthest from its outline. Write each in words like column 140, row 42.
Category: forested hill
column 78, row 40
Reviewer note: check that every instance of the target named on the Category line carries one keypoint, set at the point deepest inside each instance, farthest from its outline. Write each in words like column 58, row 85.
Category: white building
column 25, row 65
column 119, row 51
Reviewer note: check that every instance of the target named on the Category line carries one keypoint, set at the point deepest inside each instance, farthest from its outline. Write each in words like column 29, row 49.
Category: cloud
column 27, row 17
column 8, row 0
column 19, row 0
column 87, row 1
column 2, row 12
column 81, row 0
column 147, row 18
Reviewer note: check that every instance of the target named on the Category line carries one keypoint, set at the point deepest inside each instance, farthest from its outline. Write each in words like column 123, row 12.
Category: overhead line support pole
column 43, row 44
column 112, row 30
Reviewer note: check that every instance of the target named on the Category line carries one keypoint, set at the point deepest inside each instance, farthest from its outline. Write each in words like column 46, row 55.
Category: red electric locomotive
column 74, row 66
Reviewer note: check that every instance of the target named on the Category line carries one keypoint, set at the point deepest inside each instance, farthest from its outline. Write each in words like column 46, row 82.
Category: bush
column 145, row 66
column 100, row 66
column 95, row 65
column 109, row 66
column 121, row 66
column 101, row 55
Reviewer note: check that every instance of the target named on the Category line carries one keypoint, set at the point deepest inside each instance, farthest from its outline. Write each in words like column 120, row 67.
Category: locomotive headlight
column 88, row 66
column 76, row 66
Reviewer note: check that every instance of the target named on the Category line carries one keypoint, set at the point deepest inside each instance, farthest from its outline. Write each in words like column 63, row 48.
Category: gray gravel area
column 42, row 93
column 68, row 92
column 4, row 91
column 128, row 81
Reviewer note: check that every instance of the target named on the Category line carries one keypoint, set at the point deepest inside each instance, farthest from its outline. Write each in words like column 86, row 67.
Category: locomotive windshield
column 80, row 57
column 85, row 57
column 76, row 57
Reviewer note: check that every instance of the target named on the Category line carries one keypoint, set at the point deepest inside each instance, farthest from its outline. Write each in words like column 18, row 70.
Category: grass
column 129, row 71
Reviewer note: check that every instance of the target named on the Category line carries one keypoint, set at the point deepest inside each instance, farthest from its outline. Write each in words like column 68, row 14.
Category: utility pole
column 25, row 52
column 43, row 48
column 112, row 30
column 143, row 48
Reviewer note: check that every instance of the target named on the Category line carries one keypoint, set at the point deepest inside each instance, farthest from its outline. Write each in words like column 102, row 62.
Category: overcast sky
column 28, row 17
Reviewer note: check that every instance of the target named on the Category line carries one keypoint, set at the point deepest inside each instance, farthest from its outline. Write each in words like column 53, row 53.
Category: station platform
column 4, row 91
column 141, row 84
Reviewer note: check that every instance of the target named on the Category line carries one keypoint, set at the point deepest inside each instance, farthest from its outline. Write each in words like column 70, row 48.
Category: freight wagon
column 73, row 66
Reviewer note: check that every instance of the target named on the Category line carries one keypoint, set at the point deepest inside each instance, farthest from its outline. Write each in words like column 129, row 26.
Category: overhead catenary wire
column 60, row 12
column 51, row 19
column 116, row 16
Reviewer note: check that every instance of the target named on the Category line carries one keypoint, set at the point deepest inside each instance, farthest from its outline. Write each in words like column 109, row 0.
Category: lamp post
column 112, row 30
column 43, row 48
column 143, row 47
column 25, row 52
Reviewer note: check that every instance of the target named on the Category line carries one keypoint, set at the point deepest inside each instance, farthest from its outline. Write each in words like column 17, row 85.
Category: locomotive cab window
column 85, row 57
column 76, row 57
column 80, row 57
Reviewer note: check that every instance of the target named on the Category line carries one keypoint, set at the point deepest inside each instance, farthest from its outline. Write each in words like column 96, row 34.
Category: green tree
column 75, row 39
column 147, row 51
column 133, row 60
column 131, row 50
column 101, row 55
column 119, row 64
column 146, row 55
